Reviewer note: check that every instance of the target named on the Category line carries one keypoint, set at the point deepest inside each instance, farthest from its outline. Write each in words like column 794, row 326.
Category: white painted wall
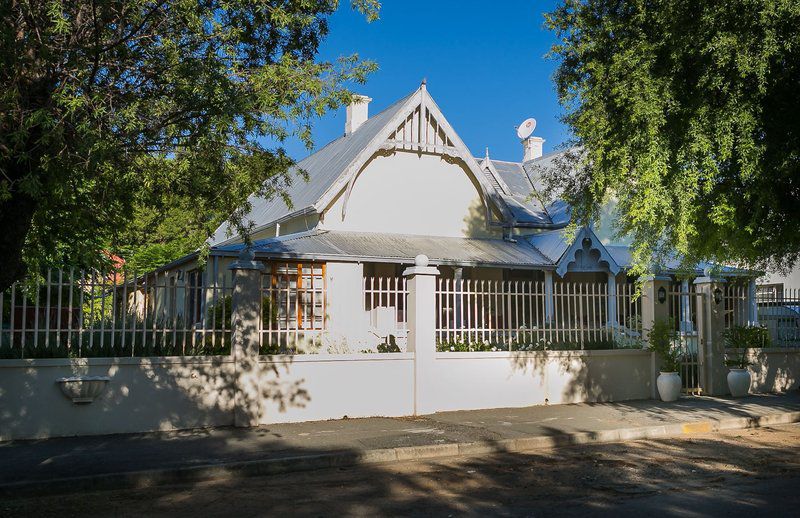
column 334, row 386
column 410, row 193
column 144, row 394
column 773, row 369
column 789, row 279
column 150, row 394
column 466, row 381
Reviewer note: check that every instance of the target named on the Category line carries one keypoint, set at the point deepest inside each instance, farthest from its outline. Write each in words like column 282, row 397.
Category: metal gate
column 686, row 310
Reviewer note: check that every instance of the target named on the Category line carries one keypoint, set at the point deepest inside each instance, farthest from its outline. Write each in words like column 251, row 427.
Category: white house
column 394, row 185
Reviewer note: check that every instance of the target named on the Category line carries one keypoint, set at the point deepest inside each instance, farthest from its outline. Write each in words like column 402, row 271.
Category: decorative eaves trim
column 570, row 254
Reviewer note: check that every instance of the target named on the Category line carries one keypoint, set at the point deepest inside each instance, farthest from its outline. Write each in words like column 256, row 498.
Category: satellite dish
column 525, row 129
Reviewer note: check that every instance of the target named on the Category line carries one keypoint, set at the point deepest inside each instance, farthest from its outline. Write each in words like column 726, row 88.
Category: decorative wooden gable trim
column 490, row 171
column 421, row 127
column 586, row 254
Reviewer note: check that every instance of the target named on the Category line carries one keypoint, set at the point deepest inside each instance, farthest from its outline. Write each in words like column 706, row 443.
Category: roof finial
column 487, row 152
column 424, row 83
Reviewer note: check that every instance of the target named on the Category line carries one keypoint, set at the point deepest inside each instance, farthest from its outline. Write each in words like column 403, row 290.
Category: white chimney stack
column 532, row 148
column 357, row 113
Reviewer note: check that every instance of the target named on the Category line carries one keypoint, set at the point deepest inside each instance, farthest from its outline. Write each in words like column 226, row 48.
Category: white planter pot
column 82, row 390
column 739, row 382
column 669, row 386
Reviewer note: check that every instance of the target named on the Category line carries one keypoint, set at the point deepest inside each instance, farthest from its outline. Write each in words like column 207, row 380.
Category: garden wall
column 144, row 394
column 465, row 381
column 314, row 387
column 157, row 394
column 773, row 369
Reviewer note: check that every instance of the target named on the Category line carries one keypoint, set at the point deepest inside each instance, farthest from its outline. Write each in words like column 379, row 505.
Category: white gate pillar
column 711, row 324
column 654, row 309
column 245, row 316
column 422, row 331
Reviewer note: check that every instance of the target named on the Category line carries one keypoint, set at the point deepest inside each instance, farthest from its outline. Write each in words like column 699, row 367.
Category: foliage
column 738, row 361
column 685, row 115
column 526, row 340
column 744, row 337
column 112, row 105
column 661, row 340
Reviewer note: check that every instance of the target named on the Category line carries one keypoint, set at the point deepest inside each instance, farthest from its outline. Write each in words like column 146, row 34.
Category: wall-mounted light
column 662, row 295
column 717, row 296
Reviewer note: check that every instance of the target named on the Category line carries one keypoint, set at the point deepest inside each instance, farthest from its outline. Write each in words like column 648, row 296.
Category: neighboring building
column 395, row 185
column 776, row 283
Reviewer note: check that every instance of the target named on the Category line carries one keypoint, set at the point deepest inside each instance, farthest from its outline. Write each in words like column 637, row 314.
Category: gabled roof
column 333, row 245
column 323, row 167
column 519, row 186
column 564, row 254
column 336, row 166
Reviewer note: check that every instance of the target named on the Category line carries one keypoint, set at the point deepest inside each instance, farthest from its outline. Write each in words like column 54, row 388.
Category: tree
column 106, row 102
column 687, row 114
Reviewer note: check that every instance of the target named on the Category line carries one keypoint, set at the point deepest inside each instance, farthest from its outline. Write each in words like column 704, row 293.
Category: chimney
column 532, row 148
column 357, row 113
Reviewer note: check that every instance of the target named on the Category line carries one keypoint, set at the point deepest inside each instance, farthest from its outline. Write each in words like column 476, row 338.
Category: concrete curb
column 233, row 470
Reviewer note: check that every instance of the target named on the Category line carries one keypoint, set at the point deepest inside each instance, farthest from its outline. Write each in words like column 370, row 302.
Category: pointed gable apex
column 586, row 253
column 417, row 125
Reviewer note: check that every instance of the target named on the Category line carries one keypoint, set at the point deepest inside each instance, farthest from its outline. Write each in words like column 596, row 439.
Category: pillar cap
column 420, row 270
column 246, row 261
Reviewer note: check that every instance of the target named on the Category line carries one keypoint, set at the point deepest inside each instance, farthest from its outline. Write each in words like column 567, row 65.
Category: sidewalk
column 146, row 459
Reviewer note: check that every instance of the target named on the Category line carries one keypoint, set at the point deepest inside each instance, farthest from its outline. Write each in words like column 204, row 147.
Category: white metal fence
column 779, row 313
column 72, row 313
column 293, row 308
column 477, row 315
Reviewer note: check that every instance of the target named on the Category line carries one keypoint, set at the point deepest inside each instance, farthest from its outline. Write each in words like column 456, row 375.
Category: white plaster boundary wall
column 160, row 394
column 316, row 387
column 471, row 381
column 773, row 369
column 144, row 394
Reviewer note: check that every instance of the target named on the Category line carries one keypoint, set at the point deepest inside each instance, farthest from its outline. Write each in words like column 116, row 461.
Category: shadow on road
column 703, row 475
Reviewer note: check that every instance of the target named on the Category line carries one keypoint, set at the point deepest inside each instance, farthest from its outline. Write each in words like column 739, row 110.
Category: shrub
column 743, row 337
column 661, row 339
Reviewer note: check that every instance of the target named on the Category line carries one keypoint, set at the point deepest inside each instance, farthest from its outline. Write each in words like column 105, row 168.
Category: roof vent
column 357, row 113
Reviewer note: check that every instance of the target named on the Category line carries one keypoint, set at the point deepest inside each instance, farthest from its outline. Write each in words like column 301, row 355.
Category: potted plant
column 739, row 339
column 661, row 339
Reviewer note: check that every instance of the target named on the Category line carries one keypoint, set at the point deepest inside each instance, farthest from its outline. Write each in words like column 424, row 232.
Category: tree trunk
column 16, row 217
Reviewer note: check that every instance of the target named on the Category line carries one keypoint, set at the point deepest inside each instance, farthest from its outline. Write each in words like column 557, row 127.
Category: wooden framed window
column 294, row 296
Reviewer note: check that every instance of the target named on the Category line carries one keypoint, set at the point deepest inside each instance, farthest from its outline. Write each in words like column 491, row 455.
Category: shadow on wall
column 579, row 376
column 773, row 370
column 475, row 222
column 144, row 394
column 600, row 478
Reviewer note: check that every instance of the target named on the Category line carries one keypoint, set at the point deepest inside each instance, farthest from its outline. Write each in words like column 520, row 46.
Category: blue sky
column 484, row 62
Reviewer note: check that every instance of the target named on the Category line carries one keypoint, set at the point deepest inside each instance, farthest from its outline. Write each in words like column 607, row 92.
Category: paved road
column 74, row 456
column 744, row 472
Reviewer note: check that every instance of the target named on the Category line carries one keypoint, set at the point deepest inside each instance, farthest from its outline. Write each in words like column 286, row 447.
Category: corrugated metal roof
column 323, row 167
column 551, row 244
column 401, row 248
column 524, row 181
